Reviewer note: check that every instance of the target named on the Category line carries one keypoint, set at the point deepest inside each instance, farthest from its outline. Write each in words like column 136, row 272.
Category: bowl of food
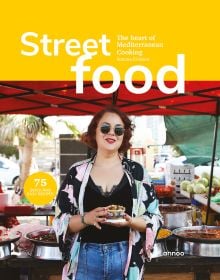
column 115, row 213
column 199, row 240
column 45, row 245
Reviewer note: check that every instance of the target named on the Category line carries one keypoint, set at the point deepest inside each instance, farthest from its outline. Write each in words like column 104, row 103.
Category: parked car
column 10, row 171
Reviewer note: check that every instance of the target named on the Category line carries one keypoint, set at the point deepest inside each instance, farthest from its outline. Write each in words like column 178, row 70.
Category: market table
column 37, row 212
column 34, row 269
column 200, row 267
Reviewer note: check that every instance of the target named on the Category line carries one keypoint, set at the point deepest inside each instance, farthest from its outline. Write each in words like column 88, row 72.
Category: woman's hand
column 91, row 218
column 96, row 216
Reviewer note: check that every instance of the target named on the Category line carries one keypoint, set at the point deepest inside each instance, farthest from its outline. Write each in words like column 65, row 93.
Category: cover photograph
column 109, row 140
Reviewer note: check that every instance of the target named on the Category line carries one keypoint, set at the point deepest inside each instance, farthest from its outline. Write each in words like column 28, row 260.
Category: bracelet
column 83, row 220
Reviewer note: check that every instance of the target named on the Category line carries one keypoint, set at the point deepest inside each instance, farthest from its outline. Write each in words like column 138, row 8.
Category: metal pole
column 114, row 97
column 213, row 162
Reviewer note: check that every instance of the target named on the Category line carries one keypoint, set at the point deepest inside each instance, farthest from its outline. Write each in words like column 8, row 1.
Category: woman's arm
column 136, row 223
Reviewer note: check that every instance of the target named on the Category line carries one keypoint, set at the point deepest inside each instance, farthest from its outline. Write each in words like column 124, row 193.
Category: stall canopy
column 59, row 98
column 44, row 98
column 194, row 136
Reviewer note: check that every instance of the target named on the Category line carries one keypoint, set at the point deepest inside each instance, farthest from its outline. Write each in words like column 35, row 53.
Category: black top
column 94, row 197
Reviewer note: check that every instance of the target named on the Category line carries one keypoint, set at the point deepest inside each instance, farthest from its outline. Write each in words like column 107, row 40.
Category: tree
column 25, row 128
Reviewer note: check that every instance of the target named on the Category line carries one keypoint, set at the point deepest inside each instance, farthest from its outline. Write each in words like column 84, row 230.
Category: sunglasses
column 118, row 129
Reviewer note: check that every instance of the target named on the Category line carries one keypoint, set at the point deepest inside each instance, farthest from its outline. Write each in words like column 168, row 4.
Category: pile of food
column 212, row 234
column 116, row 212
column 2, row 230
column 3, row 234
column 201, row 185
column 7, row 236
column 173, row 208
column 164, row 191
column 44, row 236
column 163, row 233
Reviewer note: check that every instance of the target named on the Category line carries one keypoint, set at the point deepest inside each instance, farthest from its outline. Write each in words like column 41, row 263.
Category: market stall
column 45, row 98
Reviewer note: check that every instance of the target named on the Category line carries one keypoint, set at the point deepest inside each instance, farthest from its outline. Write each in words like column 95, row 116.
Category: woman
column 95, row 248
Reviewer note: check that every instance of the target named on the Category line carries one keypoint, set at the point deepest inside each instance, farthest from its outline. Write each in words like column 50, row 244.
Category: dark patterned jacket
column 70, row 202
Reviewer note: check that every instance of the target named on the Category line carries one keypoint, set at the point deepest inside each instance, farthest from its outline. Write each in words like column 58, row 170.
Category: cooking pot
column 45, row 245
column 176, row 215
column 198, row 241
column 46, row 252
column 5, row 244
column 5, row 251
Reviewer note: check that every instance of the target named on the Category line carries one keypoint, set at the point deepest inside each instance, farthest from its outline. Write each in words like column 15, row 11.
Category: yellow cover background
column 191, row 28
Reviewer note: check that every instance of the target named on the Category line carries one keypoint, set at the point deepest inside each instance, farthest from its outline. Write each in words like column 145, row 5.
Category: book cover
column 74, row 58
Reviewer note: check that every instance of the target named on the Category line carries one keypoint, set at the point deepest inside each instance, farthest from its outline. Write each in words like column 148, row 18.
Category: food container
column 115, row 213
column 6, row 241
column 3, row 201
column 163, row 191
column 45, row 246
column 22, row 209
column 199, row 240
column 160, row 246
column 176, row 215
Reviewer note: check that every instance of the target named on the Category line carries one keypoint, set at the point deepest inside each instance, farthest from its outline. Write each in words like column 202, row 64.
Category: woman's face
column 108, row 132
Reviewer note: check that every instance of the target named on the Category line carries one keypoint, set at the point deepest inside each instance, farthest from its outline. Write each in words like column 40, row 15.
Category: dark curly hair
column 89, row 137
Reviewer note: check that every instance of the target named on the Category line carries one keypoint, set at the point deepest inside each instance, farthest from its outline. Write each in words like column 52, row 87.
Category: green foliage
column 45, row 129
column 71, row 127
column 22, row 126
column 9, row 151
column 176, row 151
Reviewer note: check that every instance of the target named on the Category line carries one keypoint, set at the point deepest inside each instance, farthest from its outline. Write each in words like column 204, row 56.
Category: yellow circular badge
column 40, row 188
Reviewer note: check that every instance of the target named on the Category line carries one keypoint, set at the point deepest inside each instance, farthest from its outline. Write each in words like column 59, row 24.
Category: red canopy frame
column 59, row 98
